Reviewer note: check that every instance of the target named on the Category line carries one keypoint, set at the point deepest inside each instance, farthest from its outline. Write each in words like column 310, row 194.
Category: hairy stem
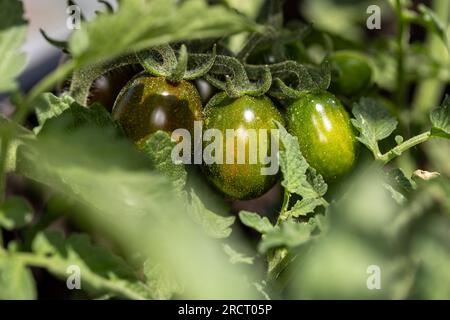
column 408, row 144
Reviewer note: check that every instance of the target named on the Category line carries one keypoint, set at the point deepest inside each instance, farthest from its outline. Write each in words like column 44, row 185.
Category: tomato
column 105, row 88
column 352, row 73
column 325, row 134
column 148, row 104
column 244, row 114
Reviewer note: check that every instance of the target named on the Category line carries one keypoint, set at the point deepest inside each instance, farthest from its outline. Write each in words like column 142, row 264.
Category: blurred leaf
column 13, row 30
column 431, row 249
column 214, row 225
column 101, row 272
column 236, row 257
column 123, row 199
column 373, row 122
column 154, row 22
column 289, row 234
column 397, row 196
column 255, row 221
column 15, row 213
column 16, row 280
column 298, row 176
column 158, row 148
column 400, row 181
column 440, row 119
column 161, row 285
column 305, row 206
column 432, row 20
column 10, row 129
column 48, row 106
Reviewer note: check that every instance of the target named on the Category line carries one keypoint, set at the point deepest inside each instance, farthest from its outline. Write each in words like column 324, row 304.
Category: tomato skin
column 148, row 104
column 240, row 181
column 325, row 134
column 352, row 73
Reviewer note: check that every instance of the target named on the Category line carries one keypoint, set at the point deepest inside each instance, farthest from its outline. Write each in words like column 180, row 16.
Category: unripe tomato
column 324, row 132
column 148, row 104
column 241, row 181
column 352, row 73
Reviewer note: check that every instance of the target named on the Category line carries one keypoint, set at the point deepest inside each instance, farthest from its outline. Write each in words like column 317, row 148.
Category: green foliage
column 16, row 281
column 13, row 30
column 255, row 221
column 440, row 119
column 298, row 177
column 158, row 148
column 15, row 213
column 289, row 234
column 153, row 23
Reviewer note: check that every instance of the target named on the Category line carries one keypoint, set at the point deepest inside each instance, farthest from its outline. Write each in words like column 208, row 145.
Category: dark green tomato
column 324, row 132
column 244, row 114
column 148, row 104
column 106, row 88
column 352, row 73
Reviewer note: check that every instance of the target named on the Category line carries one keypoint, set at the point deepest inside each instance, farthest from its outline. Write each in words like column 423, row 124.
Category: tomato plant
column 167, row 196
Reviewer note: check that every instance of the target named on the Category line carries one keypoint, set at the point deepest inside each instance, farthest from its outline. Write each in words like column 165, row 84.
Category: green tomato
column 148, row 104
column 324, row 132
column 244, row 114
column 352, row 73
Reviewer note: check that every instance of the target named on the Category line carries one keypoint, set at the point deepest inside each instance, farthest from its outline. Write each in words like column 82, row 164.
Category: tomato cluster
column 318, row 119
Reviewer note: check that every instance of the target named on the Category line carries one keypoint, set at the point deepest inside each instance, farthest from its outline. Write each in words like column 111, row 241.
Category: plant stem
column 408, row 144
column 284, row 207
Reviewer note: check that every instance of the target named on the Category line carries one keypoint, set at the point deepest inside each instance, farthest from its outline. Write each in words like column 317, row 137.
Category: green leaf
column 397, row 178
column 255, row 221
column 158, row 148
column 15, row 213
column 397, row 196
column 305, row 206
column 16, row 280
column 440, row 119
column 160, row 283
column 13, row 30
column 289, row 234
column 214, row 225
column 154, row 22
column 373, row 123
column 101, row 272
column 237, row 257
column 48, row 106
column 298, row 176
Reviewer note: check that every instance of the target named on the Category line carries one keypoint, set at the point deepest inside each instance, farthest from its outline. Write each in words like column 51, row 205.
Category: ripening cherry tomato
column 352, row 73
column 241, row 181
column 325, row 134
column 148, row 104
